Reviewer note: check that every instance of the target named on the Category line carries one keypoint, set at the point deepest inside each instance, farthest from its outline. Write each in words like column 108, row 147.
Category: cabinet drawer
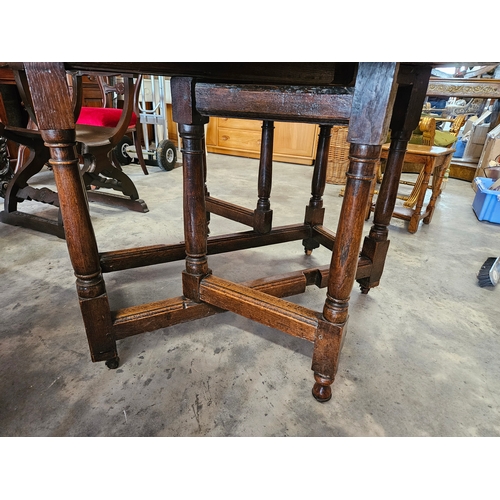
column 248, row 140
column 293, row 142
column 295, row 139
column 240, row 124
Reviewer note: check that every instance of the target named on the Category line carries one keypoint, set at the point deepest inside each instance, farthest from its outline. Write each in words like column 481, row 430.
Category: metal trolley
column 160, row 151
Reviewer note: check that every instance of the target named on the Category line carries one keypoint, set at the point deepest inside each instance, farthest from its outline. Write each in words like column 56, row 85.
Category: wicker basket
column 338, row 156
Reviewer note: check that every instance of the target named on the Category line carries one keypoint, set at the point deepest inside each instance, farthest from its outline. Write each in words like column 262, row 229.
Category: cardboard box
column 477, row 138
column 472, row 151
column 468, row 124
column 490, row 153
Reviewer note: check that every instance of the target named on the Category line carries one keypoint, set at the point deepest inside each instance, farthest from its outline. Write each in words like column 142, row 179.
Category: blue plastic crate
column 486, row 204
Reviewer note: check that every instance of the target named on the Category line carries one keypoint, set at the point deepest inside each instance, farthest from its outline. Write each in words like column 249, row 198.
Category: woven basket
column 338, row 156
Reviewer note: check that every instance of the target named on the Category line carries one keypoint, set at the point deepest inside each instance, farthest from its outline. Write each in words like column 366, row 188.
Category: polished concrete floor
column 420, row 357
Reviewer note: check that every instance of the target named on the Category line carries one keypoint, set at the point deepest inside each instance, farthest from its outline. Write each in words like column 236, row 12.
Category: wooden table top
column 421, row 149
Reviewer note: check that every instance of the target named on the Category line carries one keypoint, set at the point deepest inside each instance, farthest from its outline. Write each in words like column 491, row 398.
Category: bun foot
column 322, row 391
column 113, row 363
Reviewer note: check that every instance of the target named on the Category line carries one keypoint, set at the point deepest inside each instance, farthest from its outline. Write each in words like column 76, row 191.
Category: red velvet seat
column 103, row 117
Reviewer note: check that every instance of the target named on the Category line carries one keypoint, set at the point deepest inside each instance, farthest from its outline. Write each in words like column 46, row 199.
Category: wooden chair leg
column 32, row 157
column 100, row 172
column 412, row 199
column 420, row 195
column 137, row 137
column 437, row 183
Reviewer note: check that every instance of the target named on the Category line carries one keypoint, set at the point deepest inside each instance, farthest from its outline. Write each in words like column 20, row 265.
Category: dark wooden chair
column 98, row 132
column 18, row 127
column 94, row 144
column 108, row 116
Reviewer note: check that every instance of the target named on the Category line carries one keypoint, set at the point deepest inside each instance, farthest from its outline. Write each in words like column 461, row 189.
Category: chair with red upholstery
column 108, row 117
column 98, row 132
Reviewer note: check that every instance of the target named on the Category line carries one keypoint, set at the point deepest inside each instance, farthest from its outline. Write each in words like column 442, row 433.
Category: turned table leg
column 376, row 244
column 195, row 219
column 315, row 211
column 408, row 104
column 82, row 247
column 57, row 130
column 363, row 160
column 192, row 132
column 263, row 213
column 373, row 99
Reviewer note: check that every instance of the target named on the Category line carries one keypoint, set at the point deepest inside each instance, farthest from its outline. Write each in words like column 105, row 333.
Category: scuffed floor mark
column 197, row 407
column 208, row 395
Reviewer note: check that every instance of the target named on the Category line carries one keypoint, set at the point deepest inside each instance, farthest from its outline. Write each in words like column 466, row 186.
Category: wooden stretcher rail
column 324, row 236
column 281, row 314
column 230, row 211
column 164, row 313
column 144, row 256
column 330, row 105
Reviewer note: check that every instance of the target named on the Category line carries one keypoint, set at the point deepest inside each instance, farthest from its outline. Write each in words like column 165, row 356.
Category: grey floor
column 420, row 357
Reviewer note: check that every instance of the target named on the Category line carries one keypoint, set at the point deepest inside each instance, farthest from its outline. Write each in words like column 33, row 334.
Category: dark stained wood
column 324, row 236
column 91, row 92
column 263, row 215
column 260, row 219
column 230, row 211
column 96, row 147
column 374, row 95
column 164, row 313
column 18, row 190
column 53, row 107
column 258, row 306
column 408, row 104
column 54, row 111
column 377, row 87
column 11, row 112
column 157, row 254
column 315, row 211
column 291, row 103
column 261, row 72
column 195, row 219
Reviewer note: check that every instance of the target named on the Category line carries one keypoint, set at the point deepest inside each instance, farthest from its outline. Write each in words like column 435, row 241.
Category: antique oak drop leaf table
column 369, row 97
